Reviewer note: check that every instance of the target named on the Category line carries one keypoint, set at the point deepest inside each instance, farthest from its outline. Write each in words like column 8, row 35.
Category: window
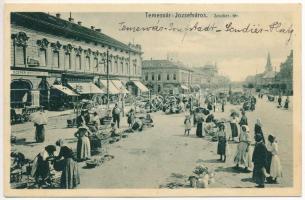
column 159, row 77
column 167, row 77
column 96, row 64
column 105, row 65
column 122, row 68
column 87, row 62
column 110, row 66
column 152, row 77
column 146, row 77
column 116, row 67
column 174, row 76
column 135, row 69
column 55, row 59
column 128, row 68
column 20, row 55
column 68, row 60
column 78, row 63
column 42, row 57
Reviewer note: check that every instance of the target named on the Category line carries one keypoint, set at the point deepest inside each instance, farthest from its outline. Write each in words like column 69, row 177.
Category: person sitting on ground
column 149, row 121
column 96, row 120
column 114, row 130
column 137, row 125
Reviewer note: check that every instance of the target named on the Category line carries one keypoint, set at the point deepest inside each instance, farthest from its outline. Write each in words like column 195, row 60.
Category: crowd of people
column 263, row 159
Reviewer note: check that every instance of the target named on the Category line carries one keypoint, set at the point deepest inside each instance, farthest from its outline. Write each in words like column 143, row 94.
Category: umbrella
column 39, row 118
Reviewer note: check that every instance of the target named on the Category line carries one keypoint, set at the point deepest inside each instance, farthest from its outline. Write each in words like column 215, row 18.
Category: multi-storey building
column 47, row 50
column 165, row 76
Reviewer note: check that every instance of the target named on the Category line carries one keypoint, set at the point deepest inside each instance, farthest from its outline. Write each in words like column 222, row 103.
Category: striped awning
column 86, row 88
column 64, row 90
column 112, row 88
column 141, row 86
column 120, row 86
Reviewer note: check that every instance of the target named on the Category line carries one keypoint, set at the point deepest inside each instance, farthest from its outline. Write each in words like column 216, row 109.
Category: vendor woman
column 83, row 143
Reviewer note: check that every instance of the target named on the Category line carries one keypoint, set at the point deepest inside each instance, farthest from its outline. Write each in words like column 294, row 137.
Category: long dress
column 40, row 133
column 260, row 161
column 70, row 175
column 222, row 142
column 83, row 146
column 40, row 166
column 200, row 132
column 258, row 130
column 243, row 156
column 275, row 167
column 234, row 128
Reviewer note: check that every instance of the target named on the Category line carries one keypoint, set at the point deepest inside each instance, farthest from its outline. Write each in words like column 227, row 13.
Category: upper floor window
column 55, row 59
column 167, row 77
column 159, row 77
column 42, row 57
column 152, row 77
column 78, row 62
column 122, row 68
column 88, row 62
column 128, row 68
column 174, row 77
column 96, row 63
column 146, row 77
column 116, row 67
column 135, row 69
column 68, row 60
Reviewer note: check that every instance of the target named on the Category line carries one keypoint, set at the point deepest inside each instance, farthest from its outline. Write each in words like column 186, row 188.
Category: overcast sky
column 236, row 54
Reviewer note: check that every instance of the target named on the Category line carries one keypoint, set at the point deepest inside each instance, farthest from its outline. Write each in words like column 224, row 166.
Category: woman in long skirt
column 200, row 132
column 70, row 175
column 83, row 143
column 234, row 127
column 260, row 161
column 275, row 167
column 222, row 143
column 243, row 156
column 258, row 129
column 40, row 133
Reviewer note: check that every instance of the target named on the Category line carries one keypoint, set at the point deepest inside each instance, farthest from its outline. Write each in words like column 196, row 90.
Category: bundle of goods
column 203, row 177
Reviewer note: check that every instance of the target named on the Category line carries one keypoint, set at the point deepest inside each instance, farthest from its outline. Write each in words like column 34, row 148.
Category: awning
column 64, row 89
column 141, row 87
column 86, row 88
column 119, row 85
column 112, row 88
column 184, row 87
column 195, row 86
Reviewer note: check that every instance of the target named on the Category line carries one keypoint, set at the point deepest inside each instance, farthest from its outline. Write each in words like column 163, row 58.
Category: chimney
column 98, row 29
column 58, row 15
column 79, row 23
column 92, row 27
column 71, row 19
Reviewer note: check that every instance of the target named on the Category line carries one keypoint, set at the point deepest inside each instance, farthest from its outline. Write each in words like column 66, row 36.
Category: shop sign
column 28, row 73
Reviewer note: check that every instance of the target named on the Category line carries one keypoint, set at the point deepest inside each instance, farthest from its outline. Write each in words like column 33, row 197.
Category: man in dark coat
column 260, row 161
column 116, row 115
column 244, row 119
column 279, row 100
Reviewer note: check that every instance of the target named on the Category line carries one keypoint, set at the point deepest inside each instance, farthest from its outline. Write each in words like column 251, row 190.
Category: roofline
column 20, row 14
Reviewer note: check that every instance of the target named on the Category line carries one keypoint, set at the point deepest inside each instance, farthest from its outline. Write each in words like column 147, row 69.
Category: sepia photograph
column 112, row 100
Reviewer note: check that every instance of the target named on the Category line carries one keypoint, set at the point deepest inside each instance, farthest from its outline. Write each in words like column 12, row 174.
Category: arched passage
column 21, row 93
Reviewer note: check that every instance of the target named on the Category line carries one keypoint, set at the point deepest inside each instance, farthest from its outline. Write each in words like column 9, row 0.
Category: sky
column 237, row 55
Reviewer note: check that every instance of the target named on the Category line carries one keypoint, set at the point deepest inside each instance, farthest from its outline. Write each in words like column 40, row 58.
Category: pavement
column 162, row 155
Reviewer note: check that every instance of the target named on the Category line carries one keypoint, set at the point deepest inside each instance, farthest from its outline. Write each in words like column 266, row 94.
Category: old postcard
column 152, row 100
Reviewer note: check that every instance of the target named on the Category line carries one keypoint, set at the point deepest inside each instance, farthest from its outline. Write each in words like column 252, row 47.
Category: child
column 187, row 125
column 130, row 117
column 275, row 167
column 222, row 143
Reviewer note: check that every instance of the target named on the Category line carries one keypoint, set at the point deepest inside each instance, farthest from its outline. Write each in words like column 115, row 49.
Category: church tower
column 268, row 67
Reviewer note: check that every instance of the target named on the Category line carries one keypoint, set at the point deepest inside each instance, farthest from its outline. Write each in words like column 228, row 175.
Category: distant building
column 284, row 78
column 165, row 76
column 47, row 50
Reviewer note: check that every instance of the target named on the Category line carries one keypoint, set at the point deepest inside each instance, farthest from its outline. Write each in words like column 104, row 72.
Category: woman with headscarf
column 243, row 156
column 70, row 176
column 83, row 143
column 41, row 168
column 200, row 132
column 275, row 165
column 222, row 143
column 260, row 161
column 258, row 128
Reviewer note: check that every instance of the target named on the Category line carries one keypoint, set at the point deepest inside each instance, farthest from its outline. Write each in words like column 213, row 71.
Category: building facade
column 166, row 77
column 47, row 50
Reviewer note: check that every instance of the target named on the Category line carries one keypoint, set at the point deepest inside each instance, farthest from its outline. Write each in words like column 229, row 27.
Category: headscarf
column 259, row 122
column 60, row 142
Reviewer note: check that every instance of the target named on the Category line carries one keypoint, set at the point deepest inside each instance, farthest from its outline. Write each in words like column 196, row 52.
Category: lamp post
column 107, row 77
